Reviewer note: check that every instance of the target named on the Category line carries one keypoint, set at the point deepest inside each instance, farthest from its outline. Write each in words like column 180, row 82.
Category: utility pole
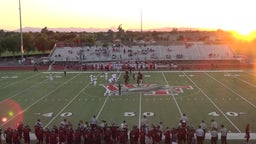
column 140, row 20
column 21, row 36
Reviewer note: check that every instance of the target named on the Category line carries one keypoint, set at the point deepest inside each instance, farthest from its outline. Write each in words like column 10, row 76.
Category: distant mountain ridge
column 76, row 29
column 69, row 29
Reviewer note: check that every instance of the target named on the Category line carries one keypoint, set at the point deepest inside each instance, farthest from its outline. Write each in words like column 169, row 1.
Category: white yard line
column 82, row 90
column 213, row 103
column 103, row 105
column 27, row 108
column 232, row 91
column 246, row 82
column 20, row 81
column 140, row 107
column 177, row 105
column 28, row 88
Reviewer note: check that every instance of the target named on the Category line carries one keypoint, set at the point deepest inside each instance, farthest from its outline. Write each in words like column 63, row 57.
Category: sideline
column 153, row 71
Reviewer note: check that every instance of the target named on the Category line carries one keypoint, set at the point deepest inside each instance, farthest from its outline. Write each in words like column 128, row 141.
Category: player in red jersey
column 122, row 136
column 53, row 137
column 89, row 136
column 70, row 135
column 167, row 136
column 158, row 135
column 247, row 133
column 97, row 136
column 182, row 133
column 142, row 137
column 126, row 77
column 190, row 134
column 20, row 129
column 174, row 132
column 62, row 135
column 40, row 135
column 15, row 137
column 107, row 136
column 26, row 132
column 77, row 136
column 114, row 132
column 1, row 136
column 134, row 135
column 139, row 78
column 47, row 134
column 8, row 135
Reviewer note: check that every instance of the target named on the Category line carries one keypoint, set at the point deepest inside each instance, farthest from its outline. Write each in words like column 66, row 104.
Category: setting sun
column 244, row 35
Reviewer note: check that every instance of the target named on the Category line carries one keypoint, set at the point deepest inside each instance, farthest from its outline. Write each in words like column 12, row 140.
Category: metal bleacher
column 141, row 53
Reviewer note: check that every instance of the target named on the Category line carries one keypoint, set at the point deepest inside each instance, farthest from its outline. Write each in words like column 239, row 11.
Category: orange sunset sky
column 236, row 15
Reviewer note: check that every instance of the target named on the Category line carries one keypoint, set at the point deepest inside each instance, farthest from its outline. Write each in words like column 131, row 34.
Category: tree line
column 45, row 40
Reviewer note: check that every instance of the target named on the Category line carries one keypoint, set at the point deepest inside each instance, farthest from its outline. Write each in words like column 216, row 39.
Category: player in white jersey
column 110, row 80
column 106, row 76
column 200, row 135
column 94, row 80
column 114, row 76
column 51, row 76
column 113, row 79
column 107, row 92
column 203, row 126
column 214, row 124
column 91, row 78
column 223, row 133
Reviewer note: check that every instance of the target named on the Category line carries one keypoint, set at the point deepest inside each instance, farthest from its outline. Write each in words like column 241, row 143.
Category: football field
column 228, row 97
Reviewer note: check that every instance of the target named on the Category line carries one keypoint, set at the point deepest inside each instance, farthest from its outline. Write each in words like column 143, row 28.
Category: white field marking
column 232, row 91
column 14, row 77
column 245, row 82
column 140, row 109
column 167, row 71
column 177, row 105
column 61, row 111
column 103, row 105
column 20, row 80
column 250, row 73
column 214, row 104
column 21, row 91
column 27, row 108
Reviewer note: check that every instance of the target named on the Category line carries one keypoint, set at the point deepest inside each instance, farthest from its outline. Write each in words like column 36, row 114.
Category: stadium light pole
column 141, row 20
column 21, row 36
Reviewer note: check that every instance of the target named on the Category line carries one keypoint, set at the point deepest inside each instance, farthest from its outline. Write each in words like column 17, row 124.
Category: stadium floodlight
column 21, row 36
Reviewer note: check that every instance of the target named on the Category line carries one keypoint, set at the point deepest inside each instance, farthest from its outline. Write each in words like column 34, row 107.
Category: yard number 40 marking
column 51, row 114
column 232, row 114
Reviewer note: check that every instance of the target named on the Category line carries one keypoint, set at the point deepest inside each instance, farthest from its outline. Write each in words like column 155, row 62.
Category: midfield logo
column 146, row 89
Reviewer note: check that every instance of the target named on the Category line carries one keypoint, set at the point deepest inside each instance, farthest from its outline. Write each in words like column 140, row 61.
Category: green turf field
column 226, row 96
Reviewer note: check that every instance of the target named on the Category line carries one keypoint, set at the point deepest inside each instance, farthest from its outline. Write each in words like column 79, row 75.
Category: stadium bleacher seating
column 142, row 53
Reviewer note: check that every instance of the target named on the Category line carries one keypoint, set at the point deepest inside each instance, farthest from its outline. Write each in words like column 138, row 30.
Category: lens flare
column 4, row 119
column 10, row 113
